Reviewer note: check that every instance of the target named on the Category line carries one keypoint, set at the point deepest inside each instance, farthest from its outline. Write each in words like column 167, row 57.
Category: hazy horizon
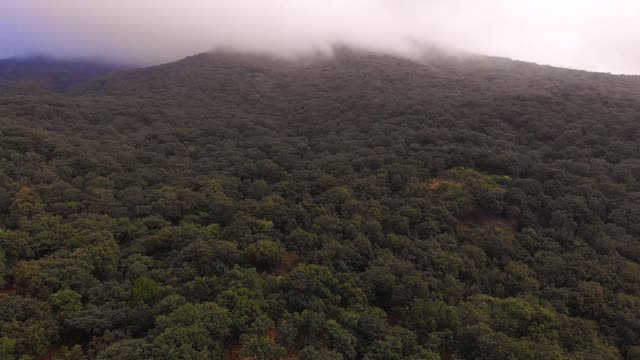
column 589, row 35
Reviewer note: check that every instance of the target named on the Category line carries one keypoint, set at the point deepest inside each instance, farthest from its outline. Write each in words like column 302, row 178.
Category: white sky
column 585, row 34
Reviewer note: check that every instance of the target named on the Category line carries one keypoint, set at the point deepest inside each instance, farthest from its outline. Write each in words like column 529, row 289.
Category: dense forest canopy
column 363, row 206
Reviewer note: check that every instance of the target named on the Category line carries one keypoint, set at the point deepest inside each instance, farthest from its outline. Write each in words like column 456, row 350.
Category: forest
column 354, row 207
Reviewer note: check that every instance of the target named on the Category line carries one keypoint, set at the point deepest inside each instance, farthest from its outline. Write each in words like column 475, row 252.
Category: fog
column 584, row 34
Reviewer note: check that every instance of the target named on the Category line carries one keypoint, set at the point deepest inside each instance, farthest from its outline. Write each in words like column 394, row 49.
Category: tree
column 426, row 317
column 312, row 353
column 31, row 336
column 261, row 348
column 388, row 349
column 340, row 340
column 27, row 204
column 73, row 353
column 41, row 278
column 265, row 254
column 310, row 287
column 7, row 348
column 244, row 305
column 129, row 349
column 66, row 303
column 145, row 291
column 191, row 331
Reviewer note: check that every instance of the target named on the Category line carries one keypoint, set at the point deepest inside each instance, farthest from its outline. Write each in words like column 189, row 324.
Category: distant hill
column 41, row 73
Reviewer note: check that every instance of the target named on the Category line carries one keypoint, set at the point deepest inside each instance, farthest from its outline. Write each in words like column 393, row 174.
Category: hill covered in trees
column 363, row 206
column 38, row 74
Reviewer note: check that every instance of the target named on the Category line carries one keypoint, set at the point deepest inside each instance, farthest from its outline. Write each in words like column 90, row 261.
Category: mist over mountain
column 363, row 71
column 356, row 206
column 597, row 35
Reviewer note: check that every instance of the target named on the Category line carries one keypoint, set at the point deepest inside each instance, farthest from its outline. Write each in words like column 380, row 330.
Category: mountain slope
column 361, row 72
column 36, row 74
column 361, row 206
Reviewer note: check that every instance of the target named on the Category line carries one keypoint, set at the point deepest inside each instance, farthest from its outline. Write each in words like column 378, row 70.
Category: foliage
column 144, row 291
column 356, row 207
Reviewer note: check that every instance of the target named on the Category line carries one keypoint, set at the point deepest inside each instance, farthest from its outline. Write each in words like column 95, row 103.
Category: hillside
column 39, row 74
column 362, row 206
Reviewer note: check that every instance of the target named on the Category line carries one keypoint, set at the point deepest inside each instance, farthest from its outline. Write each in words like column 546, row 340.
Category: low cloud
column 586, row 34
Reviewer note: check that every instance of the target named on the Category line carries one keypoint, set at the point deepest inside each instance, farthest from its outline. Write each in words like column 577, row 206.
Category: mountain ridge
column 200, row 70
column 40, row 73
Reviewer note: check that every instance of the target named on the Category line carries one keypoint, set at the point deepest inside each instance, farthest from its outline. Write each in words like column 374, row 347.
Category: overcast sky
column 599, row 35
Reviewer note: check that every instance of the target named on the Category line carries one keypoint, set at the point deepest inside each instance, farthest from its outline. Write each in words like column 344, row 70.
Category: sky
column 595, row 35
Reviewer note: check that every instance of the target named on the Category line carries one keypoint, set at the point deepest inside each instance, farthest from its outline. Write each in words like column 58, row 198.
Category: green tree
column 310, row 287
column 244, row 306
column 27, row 204
column 312, row 353
column 144, row 290
column 31, row 336
column 129, row 349
column 73, row 353
column 7, row 348
column 340, row 340
column 66, row 303
column 191, row 331
column 265, row 254
column 41, row 278
column 261, row 348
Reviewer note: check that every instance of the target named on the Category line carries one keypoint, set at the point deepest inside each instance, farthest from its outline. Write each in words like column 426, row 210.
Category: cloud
column 587, row 34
